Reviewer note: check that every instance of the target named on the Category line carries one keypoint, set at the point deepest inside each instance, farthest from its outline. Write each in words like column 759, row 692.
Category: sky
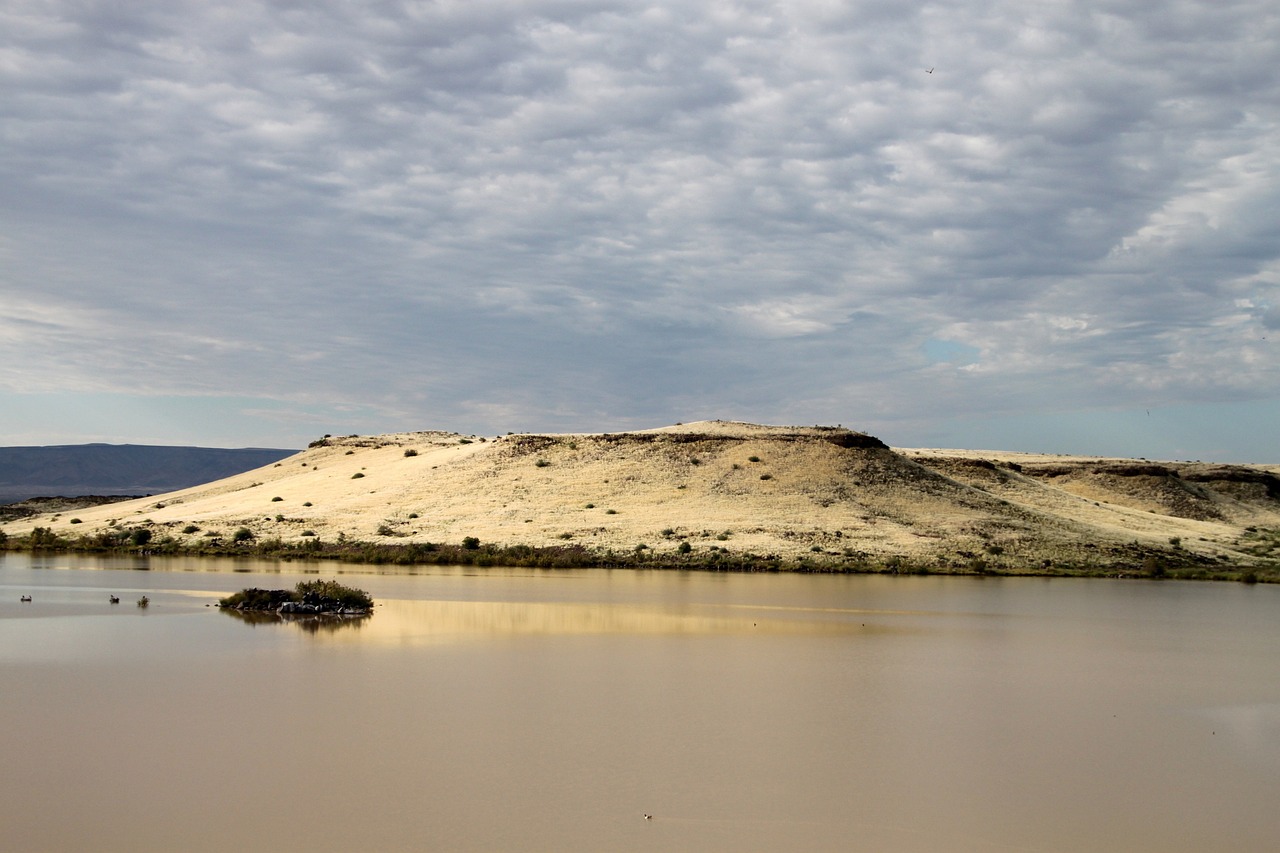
column 1043, row 226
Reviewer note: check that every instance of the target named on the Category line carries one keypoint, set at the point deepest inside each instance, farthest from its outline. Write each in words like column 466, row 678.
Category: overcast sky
column 1045, row 226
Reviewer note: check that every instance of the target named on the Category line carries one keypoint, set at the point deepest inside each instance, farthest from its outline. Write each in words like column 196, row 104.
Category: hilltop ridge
column 797, row 493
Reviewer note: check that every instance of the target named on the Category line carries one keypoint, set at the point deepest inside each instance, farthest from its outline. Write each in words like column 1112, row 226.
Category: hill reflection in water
column 399, row 622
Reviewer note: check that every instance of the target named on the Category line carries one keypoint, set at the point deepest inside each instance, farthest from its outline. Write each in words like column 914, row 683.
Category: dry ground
column 740, row 487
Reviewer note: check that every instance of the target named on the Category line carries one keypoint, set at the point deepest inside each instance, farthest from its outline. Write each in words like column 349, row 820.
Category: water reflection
column 405, row 621
column 311, row 623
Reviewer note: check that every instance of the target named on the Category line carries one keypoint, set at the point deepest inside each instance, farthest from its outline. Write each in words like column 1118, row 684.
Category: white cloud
column 565, row 211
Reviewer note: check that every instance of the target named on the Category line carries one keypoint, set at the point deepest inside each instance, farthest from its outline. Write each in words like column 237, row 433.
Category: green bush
column 191, row 528
column 140, row 536
column 276, row 498
column 410, row 452
column 471, row 543
column 357, row 475
column 542, row 463
column 684, row 548
column 244, row 534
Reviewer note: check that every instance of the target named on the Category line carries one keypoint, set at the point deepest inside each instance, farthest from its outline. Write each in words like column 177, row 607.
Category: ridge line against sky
column 253, row 223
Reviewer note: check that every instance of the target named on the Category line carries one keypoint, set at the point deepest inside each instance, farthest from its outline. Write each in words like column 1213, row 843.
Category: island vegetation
column 317, row 597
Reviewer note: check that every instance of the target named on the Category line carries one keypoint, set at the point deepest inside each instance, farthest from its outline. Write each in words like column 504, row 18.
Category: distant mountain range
column 121, row 469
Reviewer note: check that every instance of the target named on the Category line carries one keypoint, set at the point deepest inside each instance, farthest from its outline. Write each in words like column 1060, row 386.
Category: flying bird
column 928, row 71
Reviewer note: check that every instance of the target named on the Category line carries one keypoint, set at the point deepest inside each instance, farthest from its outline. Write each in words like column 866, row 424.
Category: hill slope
column 742, row 488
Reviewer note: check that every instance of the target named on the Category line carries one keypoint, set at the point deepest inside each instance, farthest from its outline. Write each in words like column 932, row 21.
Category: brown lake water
column 496, row 709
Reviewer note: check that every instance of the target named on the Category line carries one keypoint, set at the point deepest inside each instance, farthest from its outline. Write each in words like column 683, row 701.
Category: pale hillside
column 789, row 491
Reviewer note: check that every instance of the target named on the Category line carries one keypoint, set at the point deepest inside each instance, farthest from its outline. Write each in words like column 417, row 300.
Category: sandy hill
column 741, row 487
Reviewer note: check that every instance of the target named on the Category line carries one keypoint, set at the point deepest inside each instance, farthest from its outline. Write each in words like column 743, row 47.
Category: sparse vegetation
column 410, row 452
column 359, row 475
column 315, row 596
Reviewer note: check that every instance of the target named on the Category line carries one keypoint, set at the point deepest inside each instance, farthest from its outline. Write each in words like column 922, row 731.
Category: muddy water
column 523, row 710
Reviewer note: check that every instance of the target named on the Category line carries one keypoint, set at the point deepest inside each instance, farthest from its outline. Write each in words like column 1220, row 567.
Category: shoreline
column 1133, row 563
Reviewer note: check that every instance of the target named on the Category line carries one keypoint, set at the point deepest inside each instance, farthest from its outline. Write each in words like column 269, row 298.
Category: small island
column 317, row 597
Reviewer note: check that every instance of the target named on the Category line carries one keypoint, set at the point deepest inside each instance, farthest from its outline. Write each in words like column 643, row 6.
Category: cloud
column 575, row 214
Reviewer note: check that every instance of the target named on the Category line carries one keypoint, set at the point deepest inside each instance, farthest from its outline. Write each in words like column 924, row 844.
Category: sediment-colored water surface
column 522, row 710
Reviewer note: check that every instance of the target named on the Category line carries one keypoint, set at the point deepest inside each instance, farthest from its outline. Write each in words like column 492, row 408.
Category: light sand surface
column 823, row 488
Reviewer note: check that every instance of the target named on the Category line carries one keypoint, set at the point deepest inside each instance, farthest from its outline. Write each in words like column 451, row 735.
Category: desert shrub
column 190, row 528
column 307, row 503
column 326, row 592
column 386, row 530
column 995, row 550
column 464, row 441
column 244, row 534
column 413, row 515
column 359, row 475
column 684, row 548
column 542, row 463
column 566, row 535
column 143, row 602
column 279, row 517
column 591, row 506
column 471, row 543
column 410, row 452
column 140, row 536
column 1153, row 567
column 308, row 533
column 766, row 476
column 610, row 512
column 43, row 537
column 276, row 498
column 668, row 531
column 76, row 521
column 1249, row 577
column 753, row 458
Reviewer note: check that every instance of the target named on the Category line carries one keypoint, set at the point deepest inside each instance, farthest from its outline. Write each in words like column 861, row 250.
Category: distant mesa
column 120, row 469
